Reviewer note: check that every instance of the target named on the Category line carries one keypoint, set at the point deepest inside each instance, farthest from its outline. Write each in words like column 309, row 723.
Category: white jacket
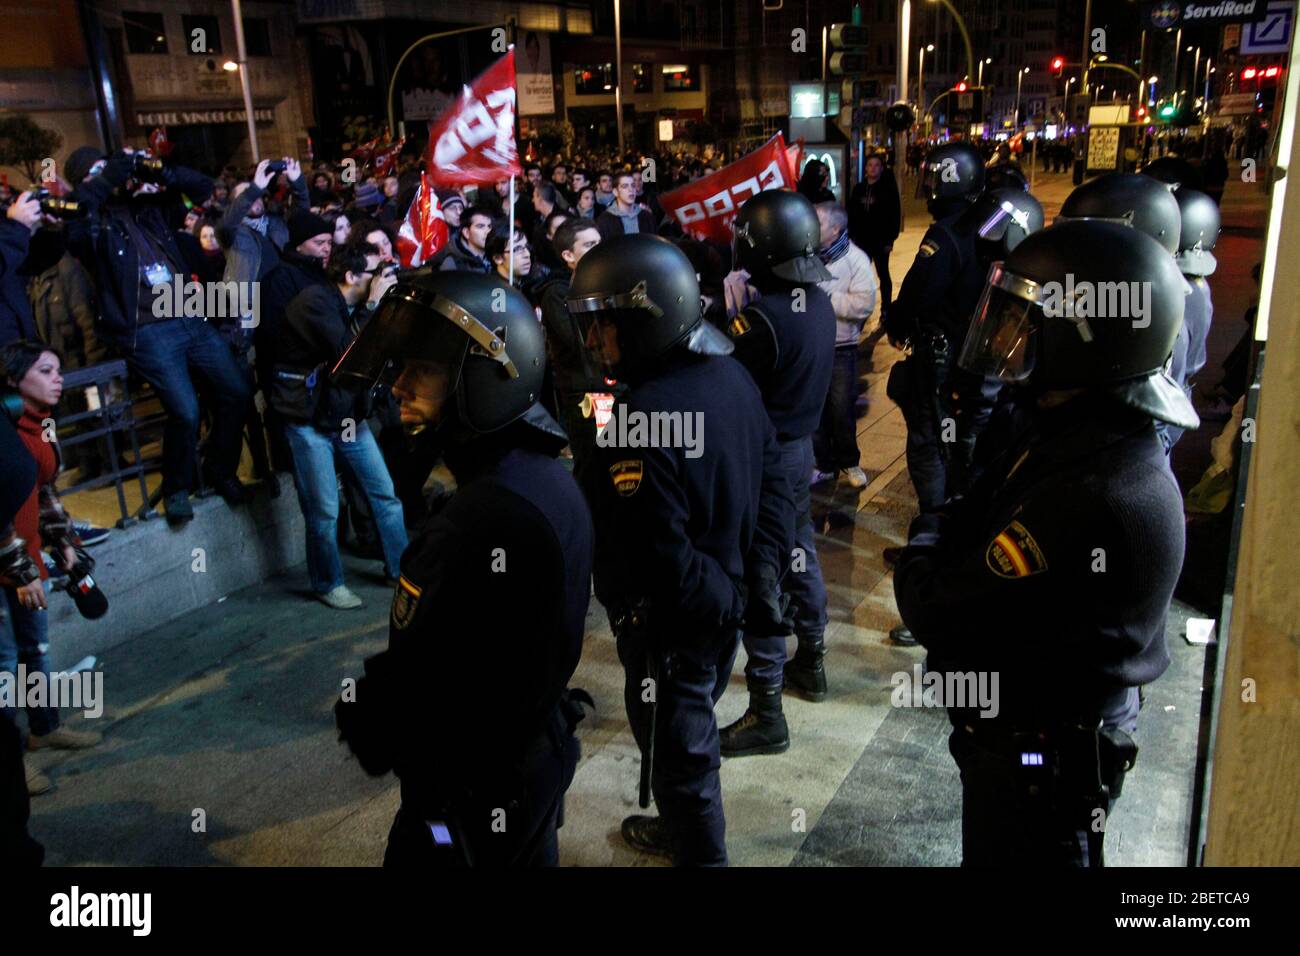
column 852, row 288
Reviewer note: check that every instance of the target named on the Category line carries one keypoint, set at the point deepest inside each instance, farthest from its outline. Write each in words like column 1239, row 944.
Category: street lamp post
column 244, row 85
column 981, row 70
column 1020, row 75
column 920, row 76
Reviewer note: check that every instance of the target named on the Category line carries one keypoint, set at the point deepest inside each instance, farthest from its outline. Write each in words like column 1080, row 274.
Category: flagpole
column 510, row 240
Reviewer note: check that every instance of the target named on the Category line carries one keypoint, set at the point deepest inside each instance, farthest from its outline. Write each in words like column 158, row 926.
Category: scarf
column 835, row 250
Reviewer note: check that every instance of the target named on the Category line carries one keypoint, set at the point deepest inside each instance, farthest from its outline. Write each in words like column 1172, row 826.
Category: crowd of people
column 690, row 560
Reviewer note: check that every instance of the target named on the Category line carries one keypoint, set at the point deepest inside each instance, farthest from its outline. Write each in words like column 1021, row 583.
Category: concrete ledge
column 153, row 574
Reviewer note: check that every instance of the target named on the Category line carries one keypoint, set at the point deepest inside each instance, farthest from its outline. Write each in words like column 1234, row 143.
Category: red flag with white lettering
column 424, row 229
column 384, row 159
column 706, row 207
column 473, row 142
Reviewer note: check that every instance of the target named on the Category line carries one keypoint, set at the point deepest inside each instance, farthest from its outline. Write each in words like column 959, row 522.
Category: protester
column 466, row 250
column 624, row 216
column 875, row 219
column 852, row 290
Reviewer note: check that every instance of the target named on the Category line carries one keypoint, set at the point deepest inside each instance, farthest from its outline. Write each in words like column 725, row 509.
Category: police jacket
column 789, row 352
column 496, row 583
column 942, row 287
column 679, row 528
column 1057, row 570
column 104, row 246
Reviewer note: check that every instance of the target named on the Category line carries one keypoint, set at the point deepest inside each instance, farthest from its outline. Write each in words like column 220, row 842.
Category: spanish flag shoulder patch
column 739, row 325
column 627, row 476
column 928, row 248
column 406, row 601
column 1014, row 553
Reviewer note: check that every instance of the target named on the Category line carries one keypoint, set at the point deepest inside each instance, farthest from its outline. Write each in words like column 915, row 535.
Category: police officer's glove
column 366, row 716
column 765, row 605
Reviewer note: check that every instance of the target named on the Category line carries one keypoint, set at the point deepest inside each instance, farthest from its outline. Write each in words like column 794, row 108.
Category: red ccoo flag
column 473, row 142
column 424, row 230
column 384, row 159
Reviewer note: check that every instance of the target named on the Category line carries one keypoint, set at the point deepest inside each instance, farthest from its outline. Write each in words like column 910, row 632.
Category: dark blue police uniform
column 674, row 537
column 495, row 585
column 1189, row 347
column 794, row 383
column 1055, row 573
column 933, row 311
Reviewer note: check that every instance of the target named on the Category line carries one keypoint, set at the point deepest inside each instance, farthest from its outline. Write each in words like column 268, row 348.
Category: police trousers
column 489, row 825
column 945, row 409
column 803, row 582
column 1010, row 819
column 687, row 790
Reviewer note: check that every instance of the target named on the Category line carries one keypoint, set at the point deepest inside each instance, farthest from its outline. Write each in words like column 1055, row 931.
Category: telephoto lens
column 146, row 168
column 60, row 207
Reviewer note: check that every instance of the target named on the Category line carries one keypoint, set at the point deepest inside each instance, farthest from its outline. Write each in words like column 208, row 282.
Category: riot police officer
column 1145, row 203
column 693, row 520
column 500, row 574
column 1198, row 233
column 931, row 315
column 786, row 338
column 1055, row 572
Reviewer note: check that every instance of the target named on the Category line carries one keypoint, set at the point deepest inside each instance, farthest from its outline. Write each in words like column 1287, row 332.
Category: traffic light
column 962, row 86
column 1058, row 64
column 1249, row 73
column 1167, row 111
column 851, row 41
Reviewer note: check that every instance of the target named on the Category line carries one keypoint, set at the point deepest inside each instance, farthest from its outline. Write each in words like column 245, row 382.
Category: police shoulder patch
column 928, row 248
column 406, row 601
column 1014, row 553
column 739, row 325
column 627, row 476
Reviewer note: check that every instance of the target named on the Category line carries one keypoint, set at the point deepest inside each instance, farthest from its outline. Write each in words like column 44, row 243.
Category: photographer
column 25, row 250
column 325, row 422
column 126, row 243
column 34, row 372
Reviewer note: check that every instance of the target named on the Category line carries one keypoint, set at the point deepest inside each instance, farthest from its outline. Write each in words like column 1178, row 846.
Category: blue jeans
column 836, row 438
column 24, row 639
column 765, row 667
column 314, row 453
column 172, row 355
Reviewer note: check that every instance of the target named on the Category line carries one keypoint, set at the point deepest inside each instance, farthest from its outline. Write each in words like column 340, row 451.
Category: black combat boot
column 805, row 675
column 647, row 834
column 762, row 729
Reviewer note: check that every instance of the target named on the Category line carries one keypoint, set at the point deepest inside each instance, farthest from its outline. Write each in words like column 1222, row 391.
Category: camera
column 60, row 207
column 144, row 167
column 276, row 166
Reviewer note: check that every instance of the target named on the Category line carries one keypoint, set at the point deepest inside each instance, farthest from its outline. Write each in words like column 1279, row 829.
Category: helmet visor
column 1002, row 336
column 415, row 325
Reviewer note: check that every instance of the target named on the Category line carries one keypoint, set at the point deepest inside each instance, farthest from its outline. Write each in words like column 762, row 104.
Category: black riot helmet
column 1005, row 176
column 1200, row 231
column 1093, row 305
column 950, row 174
column 777, row 233
column 647, row 287
column 1144, row 203
column 1175, row 171
column 1001, row 219
column 480, row 330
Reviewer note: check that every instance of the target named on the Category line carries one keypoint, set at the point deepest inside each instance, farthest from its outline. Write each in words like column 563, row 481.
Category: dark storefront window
column 257, row 36
column 145, row 32
column 593, row 79
column 202, row 34
column 680, row 78
column 643, row 78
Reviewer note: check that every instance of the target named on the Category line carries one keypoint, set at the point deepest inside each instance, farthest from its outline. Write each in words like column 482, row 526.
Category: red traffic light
column 962, row 86
column 1058, row 64
column 1272, row 71
column 1248, row 73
